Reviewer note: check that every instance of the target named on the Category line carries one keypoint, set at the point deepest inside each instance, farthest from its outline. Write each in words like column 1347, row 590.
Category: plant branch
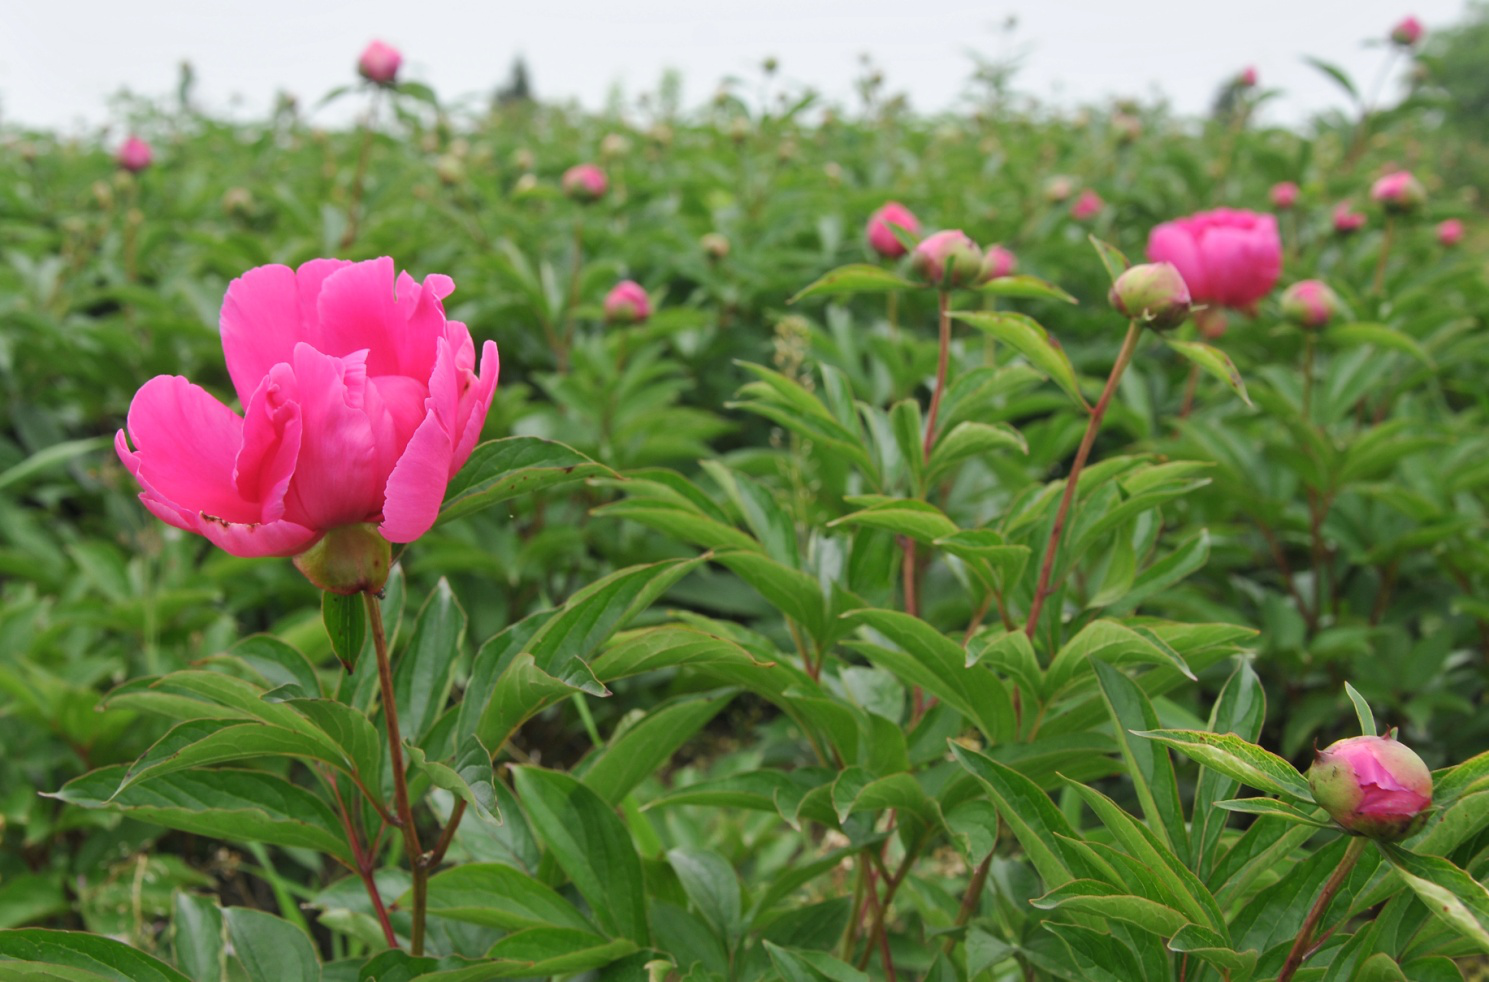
column 1305, row 933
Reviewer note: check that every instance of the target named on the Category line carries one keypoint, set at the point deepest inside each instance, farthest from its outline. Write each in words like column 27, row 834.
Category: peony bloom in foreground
column 1229, row 257
column 134, row 154
column 627, row 303
column 881, row 236
column 1284, row 195
column 360, row 402
column 1407, row 32
column 585, row 182
column 379, row 63
column 1372, row 786
column 1449, row 232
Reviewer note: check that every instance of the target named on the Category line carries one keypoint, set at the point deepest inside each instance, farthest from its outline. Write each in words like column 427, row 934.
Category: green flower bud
column 349, row 559
column 1153, row 294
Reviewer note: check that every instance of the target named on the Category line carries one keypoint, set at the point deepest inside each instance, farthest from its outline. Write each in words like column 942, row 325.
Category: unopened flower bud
column 1347, row 222
column 627, row 303
column 134, row 155
column 1058, row 189
column 379, row 63
column 524, row 185
column 349, row 559
column 1449, row 232
column 1407, row 32
column 881, row 236
column 585, row 183
column 1247, row 79
column 1399, row 193
column 947, row 259
column 614, row 145
column 715, row 247
column 450, row 169
column 1154, row 294
column 1372, row 786
column 1310, row 304
column 1284, row 195
column 1087, row 206
column 997, row 262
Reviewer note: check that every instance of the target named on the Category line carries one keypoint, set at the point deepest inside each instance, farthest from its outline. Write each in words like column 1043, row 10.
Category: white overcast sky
column 61, row 59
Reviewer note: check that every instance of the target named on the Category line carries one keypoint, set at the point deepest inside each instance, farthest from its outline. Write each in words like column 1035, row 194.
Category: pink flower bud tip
column 1398, row 193
column 1229, row 257
column 585, row 183
column 134, row 155
column 997, row 262
column 1407, row 32
column 1347, row 222
column 627, row 303
column 1088, row 205
column 947, row 259
column 1284, row 195
column 1449, row 232
column 1058, row 188
column 881, row 236
column 379, row 63
column 1247, row 79
column 1372, row 786
column 359, row 402
column 1153, row 294
column 1310, row 304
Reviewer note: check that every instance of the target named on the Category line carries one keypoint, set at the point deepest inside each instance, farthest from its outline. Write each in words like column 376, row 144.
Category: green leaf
column 346, row 623
column 1380, row 336
column 591, row 845
column 971, row 439
column 27, row 898
column 1111, row 257
column 469, row 777
column 1151, row 769
column 1030, row 287
column 711, row 885
column 1240, row 708
column 49, row 457
column 1110, row 903
column 1272, row 806
column 1362, row 711
column 803, row 965
column 423, row 673
column 794, row 593
column 1030, row 339
column 269, row 948
column 909, row 435
column 642, row 749
column 1238, row 759
column 1115, row 644
column 1097, row 956
column 919, row 520
column 227, row 804
column 511, row 467
column 1337, row 74
column 536, row 952
column 1012, row 653
column 499, row 896
column 1450, row 893
column 1211, row 947
column 1033, row 818
column 196, row 936
column 102, row 957
column 1214, row 361
column 201, row 743
column 855, row 278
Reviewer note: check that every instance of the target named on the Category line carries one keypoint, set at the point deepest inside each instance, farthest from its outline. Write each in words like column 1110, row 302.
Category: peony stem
column 1379, row 282
column 1047, row 568
column 417, row 861
column 1299, row 949
column 942, row 356
column 1308, row 351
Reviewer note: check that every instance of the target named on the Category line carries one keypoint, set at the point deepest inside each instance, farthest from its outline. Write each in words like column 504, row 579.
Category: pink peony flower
column 881, row 236
column 360, row 402
column 627, row 303
column 1373, row 786
column 1347, row 222
column 134, row 154
column 947, row 259
column 1449, row 232
column 1310, row 303
column 585, row 182
column 1088, row 205
column 1398, row 192
column 379, row 63
column 1284, row 195
column 1247, row 79
column 997, row 262
column 1229, row 257
column 1407, row 32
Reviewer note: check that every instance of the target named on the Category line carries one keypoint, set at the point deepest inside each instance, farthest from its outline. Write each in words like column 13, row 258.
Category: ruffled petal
column 272, row 430
column 334, row 482
column 280, row 538
column 1171, row 242
column 186, row 442
column 474, row 405
column 260, row 324
column 417, row 485
column 395, row 408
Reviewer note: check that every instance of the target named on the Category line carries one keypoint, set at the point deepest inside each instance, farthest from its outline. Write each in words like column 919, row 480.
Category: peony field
column 778, row 538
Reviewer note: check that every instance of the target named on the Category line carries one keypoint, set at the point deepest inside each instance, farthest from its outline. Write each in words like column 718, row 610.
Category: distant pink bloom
column 134, row 154
column 1088, row 205
column 379, row 63
column 585, row 182
column 997, row 262
column 1347, row 222
column 1450, row 232
column 1310, row 303
column 1247, row 79
column 360, row 402
column 881, row 236
column 1058, row 188
column 1284, row 195
column 1229, row 257
column 1407, row 32
column 1398, row 191
column 947, row 258
column 627, row 303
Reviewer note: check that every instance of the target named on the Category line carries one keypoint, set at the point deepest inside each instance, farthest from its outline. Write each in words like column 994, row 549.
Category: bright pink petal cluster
column 134, row 154
column 1373, row 786
column 585, row 182
column 1229, row 257
column 1347, row 222
column 1088, row 205
column 881, row 236
column 1248, row 78
column 1407, row 32
column 379, row 63
column 627, row 303
column 360, row 402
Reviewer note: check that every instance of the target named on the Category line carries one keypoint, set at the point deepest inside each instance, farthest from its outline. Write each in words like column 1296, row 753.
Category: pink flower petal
column 335, row 482
column 260, row 324
column 417, row 485
column 186, row 443
column 474, row 405
column 272, row 430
